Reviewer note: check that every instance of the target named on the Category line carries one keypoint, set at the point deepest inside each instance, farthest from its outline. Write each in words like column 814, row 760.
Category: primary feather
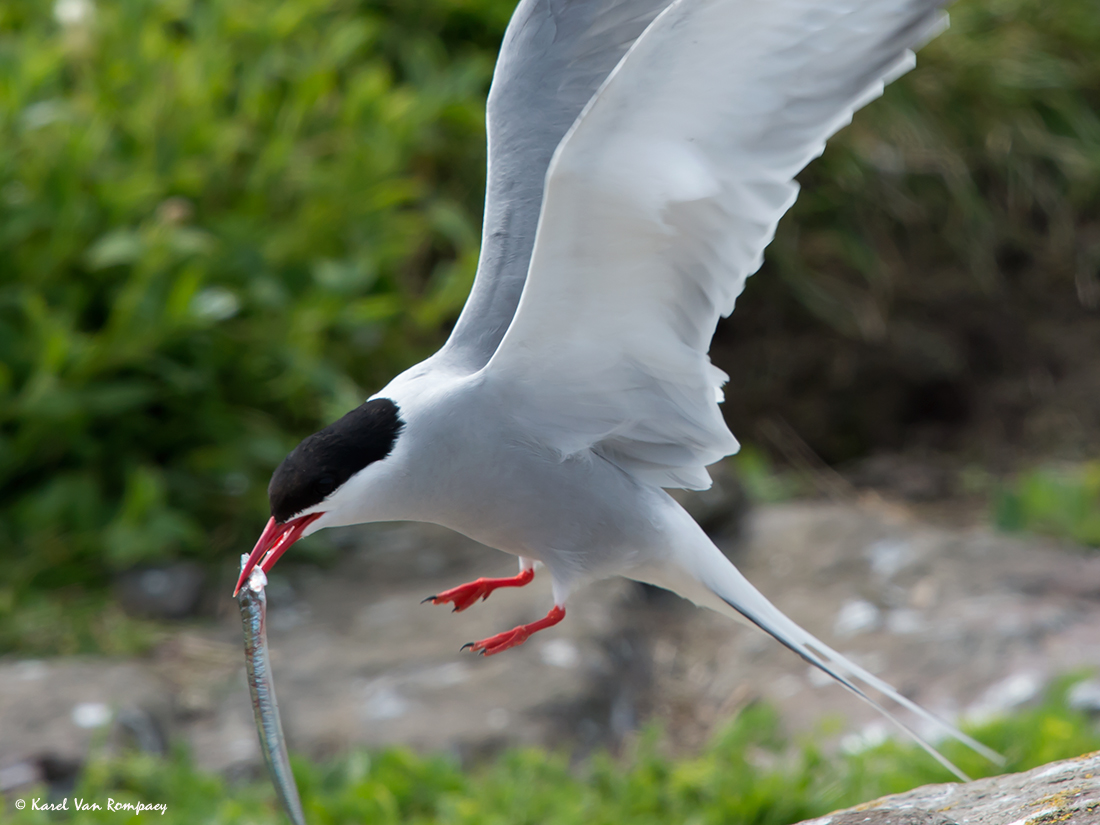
column 658, row 205
column 555, row 54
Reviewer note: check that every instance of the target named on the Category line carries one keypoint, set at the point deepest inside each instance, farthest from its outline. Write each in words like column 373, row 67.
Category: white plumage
column 640, row 157
column 658, row 205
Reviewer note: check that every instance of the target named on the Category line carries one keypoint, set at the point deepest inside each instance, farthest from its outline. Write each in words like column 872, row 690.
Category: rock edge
column 1066, row 793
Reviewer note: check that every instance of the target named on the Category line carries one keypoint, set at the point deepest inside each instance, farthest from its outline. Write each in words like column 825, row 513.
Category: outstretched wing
column 555, row 54
column 658, row 205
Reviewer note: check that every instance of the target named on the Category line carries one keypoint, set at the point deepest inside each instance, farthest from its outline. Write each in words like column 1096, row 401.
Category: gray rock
column 20, row 775
column 911, row 816
column 164, row 592
column 1085, row 696
column 1062, row 792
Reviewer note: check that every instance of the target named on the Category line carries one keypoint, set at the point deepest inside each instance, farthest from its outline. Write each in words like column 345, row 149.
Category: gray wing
column 658, row 206
column 554, row 57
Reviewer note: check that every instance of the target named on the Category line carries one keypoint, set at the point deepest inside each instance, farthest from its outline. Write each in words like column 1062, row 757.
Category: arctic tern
column 641, row 153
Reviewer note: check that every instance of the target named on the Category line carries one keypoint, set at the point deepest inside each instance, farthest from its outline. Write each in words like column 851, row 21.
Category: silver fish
column 253, row 604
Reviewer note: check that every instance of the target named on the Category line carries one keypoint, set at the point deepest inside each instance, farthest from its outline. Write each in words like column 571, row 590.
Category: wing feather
column 555, row 54
column 658, row 205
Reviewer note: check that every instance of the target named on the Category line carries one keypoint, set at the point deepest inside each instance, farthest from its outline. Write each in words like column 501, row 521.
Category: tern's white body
column 466, row 463
column 641, row 153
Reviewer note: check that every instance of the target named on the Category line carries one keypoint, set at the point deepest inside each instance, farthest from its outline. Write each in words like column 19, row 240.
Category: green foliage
column 942, row 251
column 71, row 623
column 1062, row 502
column 223, row 223
column 980, row 168
column 749, row 775
column 761, row 480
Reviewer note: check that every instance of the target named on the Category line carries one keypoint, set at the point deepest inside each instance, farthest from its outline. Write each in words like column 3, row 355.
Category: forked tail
column 697, row 570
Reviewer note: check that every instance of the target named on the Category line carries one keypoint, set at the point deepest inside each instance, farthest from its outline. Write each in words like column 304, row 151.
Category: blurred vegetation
column 224, row 223
column 762, row 481
column 981, row 166
column 1060, row 501
column 749, row 775
column 937, row 284
column 221, row 224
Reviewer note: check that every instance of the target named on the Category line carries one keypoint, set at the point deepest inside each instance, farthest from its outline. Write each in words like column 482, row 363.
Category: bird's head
column 312, row 483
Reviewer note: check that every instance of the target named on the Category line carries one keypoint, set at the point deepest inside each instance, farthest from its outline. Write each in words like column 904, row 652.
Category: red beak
column 274, row 541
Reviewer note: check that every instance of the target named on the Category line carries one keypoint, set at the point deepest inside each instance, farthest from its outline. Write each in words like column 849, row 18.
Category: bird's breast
column 483, row 475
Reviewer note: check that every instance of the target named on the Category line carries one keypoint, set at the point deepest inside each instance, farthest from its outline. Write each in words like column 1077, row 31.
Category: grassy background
column 1058, row 501
column 748, row 775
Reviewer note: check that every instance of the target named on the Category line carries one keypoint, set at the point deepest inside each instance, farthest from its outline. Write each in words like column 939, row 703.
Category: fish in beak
column 275, row 540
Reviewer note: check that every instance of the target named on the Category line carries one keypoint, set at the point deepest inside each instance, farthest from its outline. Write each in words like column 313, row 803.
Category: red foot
column 516, row 636
column 466, row 594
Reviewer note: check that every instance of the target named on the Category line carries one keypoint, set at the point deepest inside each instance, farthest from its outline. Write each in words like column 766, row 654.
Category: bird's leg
column 517, row 635
column 466, row 594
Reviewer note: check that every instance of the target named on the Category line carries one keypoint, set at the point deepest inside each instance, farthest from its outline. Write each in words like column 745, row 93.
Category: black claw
column 468, row 644
column 429, row 599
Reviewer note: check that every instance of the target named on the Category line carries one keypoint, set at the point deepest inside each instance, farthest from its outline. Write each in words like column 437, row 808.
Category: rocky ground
column 965, row 621
column 1065, row 792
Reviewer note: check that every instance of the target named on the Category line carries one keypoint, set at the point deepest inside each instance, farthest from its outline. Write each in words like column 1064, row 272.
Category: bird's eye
column 326, row 484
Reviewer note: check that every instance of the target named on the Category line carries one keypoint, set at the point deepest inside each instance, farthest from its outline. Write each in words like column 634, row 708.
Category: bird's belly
column 582, row 517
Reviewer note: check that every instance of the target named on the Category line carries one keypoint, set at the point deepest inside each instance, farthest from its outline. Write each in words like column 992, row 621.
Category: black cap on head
column 327, row 459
